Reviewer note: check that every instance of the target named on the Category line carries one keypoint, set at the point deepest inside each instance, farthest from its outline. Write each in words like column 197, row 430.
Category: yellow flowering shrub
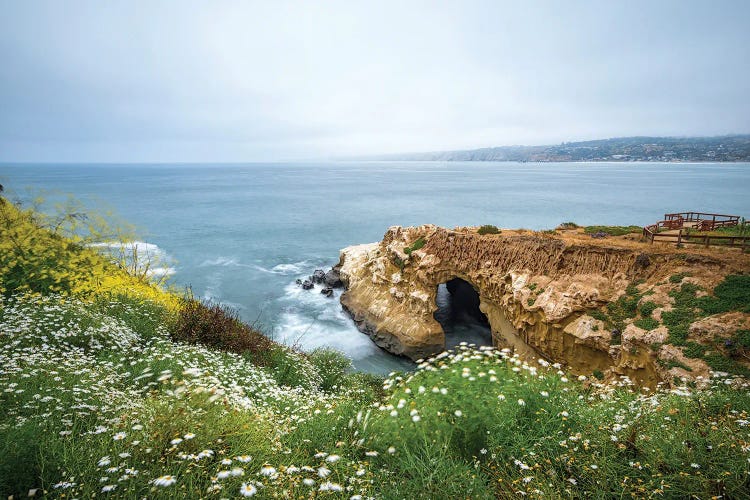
column 39, row 258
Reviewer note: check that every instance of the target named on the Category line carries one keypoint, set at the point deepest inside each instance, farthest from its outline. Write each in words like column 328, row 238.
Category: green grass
column 475, row 424
column 613, row 230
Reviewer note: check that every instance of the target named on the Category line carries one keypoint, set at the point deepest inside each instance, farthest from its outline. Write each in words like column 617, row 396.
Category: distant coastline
column 721, row 149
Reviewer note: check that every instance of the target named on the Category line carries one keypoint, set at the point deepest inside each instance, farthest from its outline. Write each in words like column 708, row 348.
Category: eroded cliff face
column 537, row 292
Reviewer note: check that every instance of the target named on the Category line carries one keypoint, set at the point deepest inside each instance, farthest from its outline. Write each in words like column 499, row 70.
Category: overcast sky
column 248, row 81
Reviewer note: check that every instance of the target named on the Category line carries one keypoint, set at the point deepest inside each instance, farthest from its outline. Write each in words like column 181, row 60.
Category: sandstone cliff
column 543, row 294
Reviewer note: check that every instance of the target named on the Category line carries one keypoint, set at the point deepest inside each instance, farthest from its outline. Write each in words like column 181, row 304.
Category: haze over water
column 242, row 234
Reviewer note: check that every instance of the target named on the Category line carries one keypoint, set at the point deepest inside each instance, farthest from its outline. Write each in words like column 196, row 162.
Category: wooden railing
column 685, row 221
column 703, row 221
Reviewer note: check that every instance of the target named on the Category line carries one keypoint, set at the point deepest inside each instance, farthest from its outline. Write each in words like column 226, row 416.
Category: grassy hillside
column 111, row 386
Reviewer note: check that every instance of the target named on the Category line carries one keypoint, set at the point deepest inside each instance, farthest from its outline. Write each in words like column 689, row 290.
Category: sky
column 230, row 81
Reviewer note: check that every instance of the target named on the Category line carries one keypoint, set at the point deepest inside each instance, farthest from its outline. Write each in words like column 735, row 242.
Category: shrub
column 568, row 225
column 647, row 323
column 732, row 294
column 213, row 325
column 488, row 229
column 694, row 350
column 647, row 308
column 613, row 230
column 598, row 314
column 676, row 278
column 53, row 255
column 332, row 366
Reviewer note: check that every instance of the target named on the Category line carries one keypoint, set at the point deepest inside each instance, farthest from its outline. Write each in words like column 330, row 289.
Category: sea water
column 241, row 234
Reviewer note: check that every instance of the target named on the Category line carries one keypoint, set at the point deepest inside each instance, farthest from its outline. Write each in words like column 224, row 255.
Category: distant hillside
column 729, row 148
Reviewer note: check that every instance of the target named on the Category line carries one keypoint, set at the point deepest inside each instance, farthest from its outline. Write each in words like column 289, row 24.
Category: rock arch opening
column 459, row 315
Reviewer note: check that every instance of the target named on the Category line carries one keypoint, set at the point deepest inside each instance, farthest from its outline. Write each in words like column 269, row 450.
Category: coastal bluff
column 604, row 306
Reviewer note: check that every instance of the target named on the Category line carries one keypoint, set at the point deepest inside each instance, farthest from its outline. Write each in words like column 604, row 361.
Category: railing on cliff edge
column 683, row 222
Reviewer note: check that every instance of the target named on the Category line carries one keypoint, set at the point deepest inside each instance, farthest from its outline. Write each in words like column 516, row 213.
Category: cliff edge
column 611, row 307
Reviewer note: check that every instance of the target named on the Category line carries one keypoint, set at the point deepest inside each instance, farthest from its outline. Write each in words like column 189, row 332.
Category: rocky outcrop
column 536, row 290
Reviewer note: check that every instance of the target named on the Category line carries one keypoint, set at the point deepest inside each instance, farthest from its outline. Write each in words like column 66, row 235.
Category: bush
column 647, row 308
column 332, row 366
column 216, row 326
column 613, row 230
column 732, row 294
column 568, row 225
column 647, row 323
column 676, row 278
column 488, row 229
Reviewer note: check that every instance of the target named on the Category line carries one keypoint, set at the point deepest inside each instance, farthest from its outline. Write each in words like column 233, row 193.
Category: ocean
column 241, row 234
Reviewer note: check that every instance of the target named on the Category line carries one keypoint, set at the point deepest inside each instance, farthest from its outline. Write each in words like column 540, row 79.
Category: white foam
column 220, row 261
column 284, row 269
column 295, row 268
column 159, row 272
column 139, row 255
column 310, row 333
column 138, row 247
column 311, row 320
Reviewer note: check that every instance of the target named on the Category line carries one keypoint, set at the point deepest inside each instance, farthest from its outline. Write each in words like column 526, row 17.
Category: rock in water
column 333, row 279
column 307, row 285
column 318, row 276
column 327, row 291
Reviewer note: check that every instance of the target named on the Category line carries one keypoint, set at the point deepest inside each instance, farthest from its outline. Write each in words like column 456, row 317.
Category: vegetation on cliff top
column 113, row 386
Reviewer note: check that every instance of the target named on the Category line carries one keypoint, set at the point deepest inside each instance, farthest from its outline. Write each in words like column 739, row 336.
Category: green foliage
column 568, row 225
column 683, row 313
column 694, row 350
column 732, row 294
column 598, row 374
column 291, row 368
column 598, row 314
column 488, row 229
column 613, row 230
column 647, row 308
column 332, row 366
column 721, row 363
column 742, row 338
column 398, row 262
column 530, row 301
column 624, row 307
column 673, row 363
column 677, row 278
column 419, row 243
column 646, row 323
